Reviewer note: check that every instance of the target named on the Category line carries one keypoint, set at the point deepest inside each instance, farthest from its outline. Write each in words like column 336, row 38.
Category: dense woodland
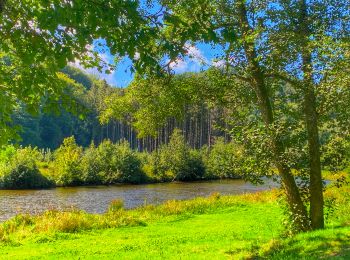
column 200, row 124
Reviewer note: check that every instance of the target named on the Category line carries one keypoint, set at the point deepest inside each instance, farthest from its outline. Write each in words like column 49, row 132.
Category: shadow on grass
column 322, row 244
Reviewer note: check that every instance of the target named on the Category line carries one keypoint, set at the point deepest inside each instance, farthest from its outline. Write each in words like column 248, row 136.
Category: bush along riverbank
column 109, row 163
column 249, row 226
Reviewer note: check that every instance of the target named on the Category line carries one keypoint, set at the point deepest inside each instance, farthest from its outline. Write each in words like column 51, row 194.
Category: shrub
column 116, row 205
column 194, row 168
column 67, row 160
column 91, row 166
column 224, row 160
column 111, row 163
column 20, row 171
column 7, row 152
column 128, row 164
column 175, row 161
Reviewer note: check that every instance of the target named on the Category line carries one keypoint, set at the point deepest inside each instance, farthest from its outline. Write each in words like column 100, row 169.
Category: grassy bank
column 217, row 227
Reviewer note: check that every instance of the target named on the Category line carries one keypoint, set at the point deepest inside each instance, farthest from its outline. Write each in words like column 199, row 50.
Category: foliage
column 224, row 160
column 47, row 129
column 7, row 152
column 67, row 163
column 336, row 154
column 127, row 164
column 175, row 161
column 20, row 171
column 111, row 163
column 33, row 50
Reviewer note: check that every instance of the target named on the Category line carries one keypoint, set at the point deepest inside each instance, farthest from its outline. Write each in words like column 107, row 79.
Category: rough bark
column 258, row 83
column 311, row 121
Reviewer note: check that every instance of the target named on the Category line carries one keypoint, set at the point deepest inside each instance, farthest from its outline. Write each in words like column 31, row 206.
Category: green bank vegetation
column 109, row 163
column 218, row 227
column 115, row 163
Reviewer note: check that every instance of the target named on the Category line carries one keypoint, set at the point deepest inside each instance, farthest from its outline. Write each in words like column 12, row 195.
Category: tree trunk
column 258, row 83
column 311, row 121
column 316, row 185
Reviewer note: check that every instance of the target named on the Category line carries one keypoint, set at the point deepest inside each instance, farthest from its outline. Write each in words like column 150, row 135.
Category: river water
column 97, row 198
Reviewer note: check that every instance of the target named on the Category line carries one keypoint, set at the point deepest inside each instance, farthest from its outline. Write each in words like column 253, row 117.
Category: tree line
column 200, row 125
column 114, row 163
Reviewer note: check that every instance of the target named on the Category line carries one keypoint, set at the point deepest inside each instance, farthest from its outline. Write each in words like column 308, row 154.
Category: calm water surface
column 96, row 199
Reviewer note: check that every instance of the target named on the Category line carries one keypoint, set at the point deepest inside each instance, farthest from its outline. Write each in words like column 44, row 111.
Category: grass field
column 218, row 227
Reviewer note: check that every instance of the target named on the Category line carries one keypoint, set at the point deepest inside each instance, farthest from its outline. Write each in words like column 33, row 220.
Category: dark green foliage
column 19, row 170
column 106, row 164
column 128, row 165
column 111, row 163
column 47, row 129
column 175, row 161
column 195, row 167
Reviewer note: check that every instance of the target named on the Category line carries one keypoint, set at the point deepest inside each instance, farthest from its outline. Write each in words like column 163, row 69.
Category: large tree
column 38, row 38
column 301, row 44
column 314, row 39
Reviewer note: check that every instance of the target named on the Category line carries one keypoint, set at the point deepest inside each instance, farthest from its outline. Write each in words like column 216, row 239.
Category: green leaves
column 38, row 38
column 228, row 34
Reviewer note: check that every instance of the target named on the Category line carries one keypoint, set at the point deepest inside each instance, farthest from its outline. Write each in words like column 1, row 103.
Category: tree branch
column 282, row 77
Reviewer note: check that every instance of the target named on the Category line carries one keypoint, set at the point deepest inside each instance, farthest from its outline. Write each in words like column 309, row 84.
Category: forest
column 201, row 124
column 223, row 91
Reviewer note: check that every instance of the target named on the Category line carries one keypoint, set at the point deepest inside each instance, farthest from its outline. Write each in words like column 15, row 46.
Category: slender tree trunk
column 311, row 121
column 209, row 128
column 258, row 83
column 316, row 185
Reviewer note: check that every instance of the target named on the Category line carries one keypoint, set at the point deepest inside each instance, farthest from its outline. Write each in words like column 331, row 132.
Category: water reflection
column 97, row 199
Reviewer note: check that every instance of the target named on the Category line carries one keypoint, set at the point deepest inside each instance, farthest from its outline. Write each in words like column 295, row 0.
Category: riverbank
column 217, row 227
column 95, row 199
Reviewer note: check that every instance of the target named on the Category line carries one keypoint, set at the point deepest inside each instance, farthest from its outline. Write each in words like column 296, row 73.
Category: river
column 95, row 199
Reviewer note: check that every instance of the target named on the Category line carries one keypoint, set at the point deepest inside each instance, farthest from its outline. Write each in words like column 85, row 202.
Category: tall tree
column 298, row 44
column 314, row 39
column 38, row 38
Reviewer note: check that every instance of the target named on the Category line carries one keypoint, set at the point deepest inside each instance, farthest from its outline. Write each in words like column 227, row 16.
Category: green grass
column 331, row 243
column 214, row 235
column 218, row 227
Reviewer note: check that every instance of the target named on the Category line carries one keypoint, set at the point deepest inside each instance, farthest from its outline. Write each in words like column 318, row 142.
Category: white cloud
column 195, row 54
column 218, row 63
column 137, row 56
column 180, row 65
column 193, row 62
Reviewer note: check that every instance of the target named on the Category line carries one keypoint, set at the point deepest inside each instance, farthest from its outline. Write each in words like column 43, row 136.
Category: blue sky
column 203, row 56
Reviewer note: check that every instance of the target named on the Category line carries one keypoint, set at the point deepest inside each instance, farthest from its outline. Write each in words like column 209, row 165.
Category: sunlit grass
column 217, row 227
